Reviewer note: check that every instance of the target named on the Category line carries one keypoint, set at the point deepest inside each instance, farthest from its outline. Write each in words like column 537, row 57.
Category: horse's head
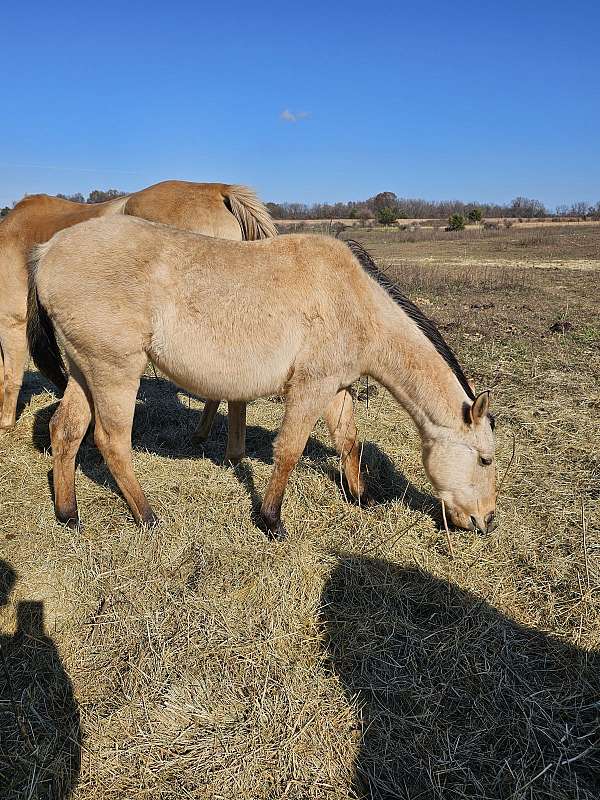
column 461, row 466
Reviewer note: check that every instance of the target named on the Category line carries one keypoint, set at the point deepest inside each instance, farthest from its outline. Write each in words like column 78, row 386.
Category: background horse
column 215, row 209
column 305, row 319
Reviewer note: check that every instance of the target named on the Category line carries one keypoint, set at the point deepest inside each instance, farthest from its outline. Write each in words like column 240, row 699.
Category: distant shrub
column 456, row 222
column 4, row 211
column 386, row 216
column 99, row 196
column 475, row 215
column 508, row 223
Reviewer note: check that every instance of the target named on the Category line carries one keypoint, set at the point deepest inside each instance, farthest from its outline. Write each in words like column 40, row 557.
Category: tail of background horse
column 251, row 214
column 41, row 337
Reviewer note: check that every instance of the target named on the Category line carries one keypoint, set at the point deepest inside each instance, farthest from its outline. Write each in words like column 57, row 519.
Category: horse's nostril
column 474, row 523
column 490, row 522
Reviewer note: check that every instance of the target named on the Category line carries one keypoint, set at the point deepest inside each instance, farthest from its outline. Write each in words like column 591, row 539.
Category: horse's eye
column 485, row 462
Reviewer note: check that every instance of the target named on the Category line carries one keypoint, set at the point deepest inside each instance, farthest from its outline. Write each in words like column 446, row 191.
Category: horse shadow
column 164, row 423
column 40, row 733
column 34, row 384
column 456, row 699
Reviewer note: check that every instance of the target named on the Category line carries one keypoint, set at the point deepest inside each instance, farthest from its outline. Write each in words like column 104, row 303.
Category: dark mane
column 414, row 312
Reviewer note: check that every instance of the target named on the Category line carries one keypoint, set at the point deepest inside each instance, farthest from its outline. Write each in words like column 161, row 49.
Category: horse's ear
column 480, row 408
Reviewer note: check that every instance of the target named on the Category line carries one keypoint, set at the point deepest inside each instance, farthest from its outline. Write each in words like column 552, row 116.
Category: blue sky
column 438, row 100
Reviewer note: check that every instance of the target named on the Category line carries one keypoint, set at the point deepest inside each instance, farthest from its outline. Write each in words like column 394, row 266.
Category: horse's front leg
column 303, row 406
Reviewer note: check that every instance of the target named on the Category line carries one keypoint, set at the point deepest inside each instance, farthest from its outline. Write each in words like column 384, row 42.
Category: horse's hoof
column 367, row 500
column 69, row 519
column 149, row 521
column 278, row 533
column 234, row 460
column 198, row 439
column 273, row 527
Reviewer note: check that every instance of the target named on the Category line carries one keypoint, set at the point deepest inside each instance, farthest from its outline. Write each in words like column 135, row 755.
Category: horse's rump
column 222, row 210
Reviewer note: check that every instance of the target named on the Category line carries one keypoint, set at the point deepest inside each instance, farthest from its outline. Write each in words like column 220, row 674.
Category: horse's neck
column 409, row 366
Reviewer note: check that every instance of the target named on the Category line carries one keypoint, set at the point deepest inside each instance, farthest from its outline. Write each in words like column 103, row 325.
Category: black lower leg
column 271, row 519
column 69, row 516
column 148, row 519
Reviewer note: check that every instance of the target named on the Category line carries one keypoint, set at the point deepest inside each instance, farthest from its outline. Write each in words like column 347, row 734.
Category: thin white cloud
column 293, row 116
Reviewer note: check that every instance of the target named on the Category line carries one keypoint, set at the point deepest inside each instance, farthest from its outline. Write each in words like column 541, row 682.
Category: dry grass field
column 359, row 658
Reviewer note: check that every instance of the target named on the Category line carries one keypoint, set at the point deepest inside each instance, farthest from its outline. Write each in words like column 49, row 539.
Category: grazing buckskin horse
column 303, row 316
column 214, row 209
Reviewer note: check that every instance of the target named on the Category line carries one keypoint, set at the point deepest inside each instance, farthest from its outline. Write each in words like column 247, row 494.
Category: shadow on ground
column 163, row 424
column 40, row 736
column 34, row 384
column 457, row 700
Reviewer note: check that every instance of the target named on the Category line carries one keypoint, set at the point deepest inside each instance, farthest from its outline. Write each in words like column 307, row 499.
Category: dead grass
column 357, row 659
column 522, row 245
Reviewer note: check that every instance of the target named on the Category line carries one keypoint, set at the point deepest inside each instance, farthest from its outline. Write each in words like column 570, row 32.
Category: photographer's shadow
column 456, row 699
column 40, row 734
column 164, row 424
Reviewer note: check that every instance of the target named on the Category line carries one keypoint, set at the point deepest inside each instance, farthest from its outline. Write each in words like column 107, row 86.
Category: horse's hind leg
column 236, row 433
column 14, row 350
column 304, row 405
column 114, row 406
column 68, row 426
column 209, row 413
column 339, row 418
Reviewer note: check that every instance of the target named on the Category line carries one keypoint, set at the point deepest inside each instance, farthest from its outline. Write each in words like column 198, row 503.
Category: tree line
column 95, row 196
column 387, row 207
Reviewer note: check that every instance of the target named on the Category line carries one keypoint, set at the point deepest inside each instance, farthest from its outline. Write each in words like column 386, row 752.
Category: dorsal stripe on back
column 424, row 324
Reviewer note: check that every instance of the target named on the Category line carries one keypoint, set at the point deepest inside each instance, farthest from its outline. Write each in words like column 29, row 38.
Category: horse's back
column 122, row 246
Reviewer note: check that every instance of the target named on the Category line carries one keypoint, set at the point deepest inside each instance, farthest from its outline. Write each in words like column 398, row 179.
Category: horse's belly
column 236, row 378
column 210, row 367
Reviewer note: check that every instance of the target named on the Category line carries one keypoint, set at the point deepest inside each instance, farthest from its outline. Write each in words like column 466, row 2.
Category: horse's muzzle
column 488, row 524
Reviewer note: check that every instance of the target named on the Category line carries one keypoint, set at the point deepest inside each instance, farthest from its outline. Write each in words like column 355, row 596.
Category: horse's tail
column 41, row 337
column 251, row 214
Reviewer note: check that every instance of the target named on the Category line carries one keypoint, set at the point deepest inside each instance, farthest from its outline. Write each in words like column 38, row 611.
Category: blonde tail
column 251, row 214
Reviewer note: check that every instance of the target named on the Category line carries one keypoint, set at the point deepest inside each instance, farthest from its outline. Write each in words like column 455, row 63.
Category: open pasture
column 359, row 658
